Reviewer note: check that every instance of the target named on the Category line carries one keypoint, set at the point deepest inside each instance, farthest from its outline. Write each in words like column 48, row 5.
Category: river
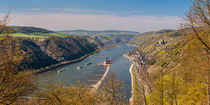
column 91, row 73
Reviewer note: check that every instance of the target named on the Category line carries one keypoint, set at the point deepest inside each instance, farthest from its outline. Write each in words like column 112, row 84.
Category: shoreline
column 55, row 66
column 96, row 86
column 132, row 45
column 132, row 84
column 132, row 80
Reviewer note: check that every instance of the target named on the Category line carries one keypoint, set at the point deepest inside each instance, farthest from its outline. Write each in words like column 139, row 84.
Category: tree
column 63, row 95
column 198, row 20
column 112, row 91
column 13, row 84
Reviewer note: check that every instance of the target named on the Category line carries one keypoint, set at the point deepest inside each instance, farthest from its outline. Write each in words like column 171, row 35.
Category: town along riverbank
column 139, row 77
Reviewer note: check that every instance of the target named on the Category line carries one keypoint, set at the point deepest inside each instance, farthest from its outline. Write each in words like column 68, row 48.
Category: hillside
column 28, row 30
column 108, row 37
column 43, row 48
column 96, row 33
column 173, row 66
column 31, row 32
column 137, row 40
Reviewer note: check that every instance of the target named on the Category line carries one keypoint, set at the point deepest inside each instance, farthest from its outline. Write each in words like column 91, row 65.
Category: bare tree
column 199, row 19
column 63, row 95
column 112, row 91
column 13, row 84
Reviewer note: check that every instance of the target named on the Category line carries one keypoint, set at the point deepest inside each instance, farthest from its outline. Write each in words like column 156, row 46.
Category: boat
column 79, row 67
column 60, row 70
column 88, row 64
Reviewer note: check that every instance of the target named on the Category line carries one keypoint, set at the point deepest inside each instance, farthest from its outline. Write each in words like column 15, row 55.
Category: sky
column 130, row 15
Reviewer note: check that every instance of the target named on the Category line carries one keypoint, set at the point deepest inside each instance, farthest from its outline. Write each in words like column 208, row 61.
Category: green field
column 36, row 35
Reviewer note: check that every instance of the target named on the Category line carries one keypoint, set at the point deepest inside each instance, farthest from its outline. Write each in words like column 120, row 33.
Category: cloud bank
column 66, row 21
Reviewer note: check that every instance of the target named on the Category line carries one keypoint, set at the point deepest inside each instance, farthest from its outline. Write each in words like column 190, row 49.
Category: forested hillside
column 28, row 30
column 174, row 66
column 43, row 48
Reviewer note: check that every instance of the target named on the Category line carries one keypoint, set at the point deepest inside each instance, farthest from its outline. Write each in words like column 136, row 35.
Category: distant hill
column 108, row 37
column 28, row 30
column 105, row 31
column 98, row 33
column 137, row 40
column 32, row 32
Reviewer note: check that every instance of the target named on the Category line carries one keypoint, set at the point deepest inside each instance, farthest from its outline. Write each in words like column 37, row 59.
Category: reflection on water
column 90, row 71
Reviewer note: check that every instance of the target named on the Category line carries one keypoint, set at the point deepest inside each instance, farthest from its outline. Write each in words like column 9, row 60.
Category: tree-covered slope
column 174, row 67
column 48, row 51
column 43, row 48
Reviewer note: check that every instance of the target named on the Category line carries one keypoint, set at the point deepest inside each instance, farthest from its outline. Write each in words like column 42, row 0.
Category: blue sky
column 157, row 10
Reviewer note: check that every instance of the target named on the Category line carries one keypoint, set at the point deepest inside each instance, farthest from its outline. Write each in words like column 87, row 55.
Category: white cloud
column 65, row 21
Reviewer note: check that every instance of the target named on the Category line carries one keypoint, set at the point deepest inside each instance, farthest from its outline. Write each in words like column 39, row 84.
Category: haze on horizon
column 128, row 15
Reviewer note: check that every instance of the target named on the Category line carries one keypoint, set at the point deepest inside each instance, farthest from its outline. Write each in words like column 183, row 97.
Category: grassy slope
column 36, row 35
column 32, row 32
column 137, row 40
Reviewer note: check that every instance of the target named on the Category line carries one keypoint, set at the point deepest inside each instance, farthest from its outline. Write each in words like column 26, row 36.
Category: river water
column 90, row 74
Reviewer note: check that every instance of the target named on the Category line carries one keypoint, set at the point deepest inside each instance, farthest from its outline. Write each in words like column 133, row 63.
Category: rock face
column 45, row 52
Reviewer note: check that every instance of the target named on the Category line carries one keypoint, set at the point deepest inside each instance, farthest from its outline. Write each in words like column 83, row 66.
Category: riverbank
column 55, row 66
column 132, row 84
column 132, row 45
column 96, row 86
column 132, row 79
column 134, row 99
column 42, row 70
